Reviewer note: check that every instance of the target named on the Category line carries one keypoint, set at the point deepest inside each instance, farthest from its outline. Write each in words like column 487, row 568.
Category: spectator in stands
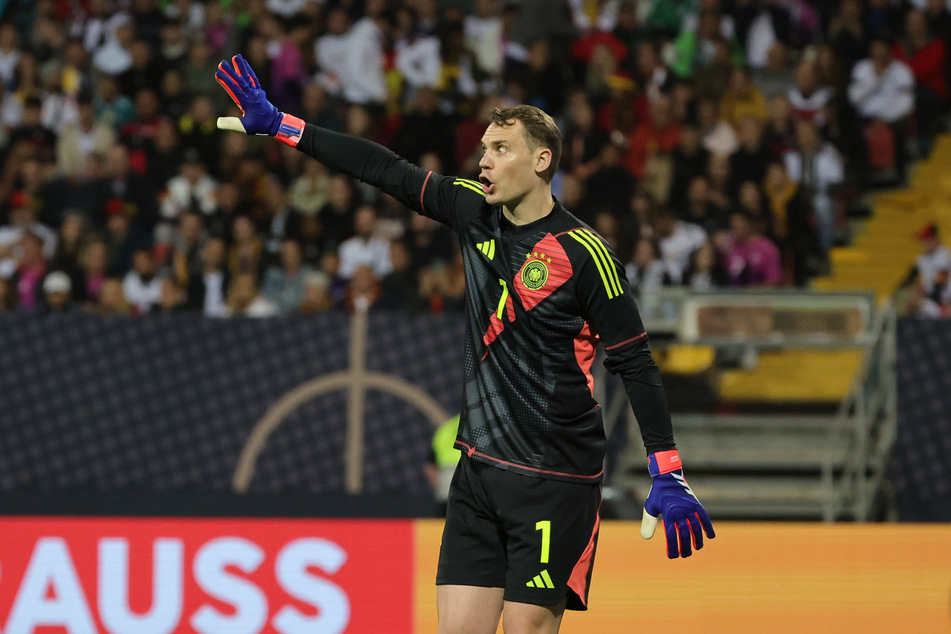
column 742, row 99
column 699, row 208
column 793, row 224
column 110, row 104
column 198, row 64
column 718, row 136
column 39, row 140
column 363, row 290
column 677, row 239
column 424, row 129
column 191, row 191
column 317, row 297
column 610, row 186
column 283, row 284
column 444, row 286
column 186, row 245
column 331, row 50
column 57, row 294
column 847, row 34
column 111, row 300
column 246, row 252
column 400, row 287
column 70, row 241
column 135, row 191
column 362, row 79
column 654, row 138
column 775, row 77
column 926, row 56
column 142, row 286
column 690, row 160
column 651, row 72
column 94, row 262
column 696, row 51
column 779, row 133
column 206, row 290
column 366, row 247
column 82, row 138
column 114, row 56
column 483, row 36
column 882, row 91
column 30, row 270
column 749, row 161
column 647, row 271
column 172, row 297
column 750, row 259
column 810, row 101
column 198, row 130
column 144, row 70
column 10, row 53
column 705, row 271
column 244, row 300
column 818, row 169
column 930, row 278
column 337, row 215
column 311, row 190
column 22, row 220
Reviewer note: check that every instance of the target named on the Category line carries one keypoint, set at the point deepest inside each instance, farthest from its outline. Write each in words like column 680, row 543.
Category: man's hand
column 670, row 496
column 260, row 117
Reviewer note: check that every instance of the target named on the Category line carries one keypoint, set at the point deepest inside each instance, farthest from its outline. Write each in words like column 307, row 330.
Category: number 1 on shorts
column 545, row 527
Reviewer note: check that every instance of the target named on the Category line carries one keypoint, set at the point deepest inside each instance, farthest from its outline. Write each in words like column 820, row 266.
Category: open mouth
column 487, row 186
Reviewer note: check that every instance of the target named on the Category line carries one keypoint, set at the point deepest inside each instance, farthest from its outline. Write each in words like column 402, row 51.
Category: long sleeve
column 368, row 161
column 609, row 307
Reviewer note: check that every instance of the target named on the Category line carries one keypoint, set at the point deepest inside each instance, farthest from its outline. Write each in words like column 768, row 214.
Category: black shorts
column 534, row 537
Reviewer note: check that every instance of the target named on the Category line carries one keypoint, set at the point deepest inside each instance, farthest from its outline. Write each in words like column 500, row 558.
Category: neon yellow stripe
column 505, row 296
column 606, row 258
column 597, row 261
column 609, row 268
column 539, row 583
column 491, row 249
column 469, row 185
column 471, row 182
column 547, row 578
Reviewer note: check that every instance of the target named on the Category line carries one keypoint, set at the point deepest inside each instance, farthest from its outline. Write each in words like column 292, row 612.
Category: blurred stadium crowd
column 711, row 142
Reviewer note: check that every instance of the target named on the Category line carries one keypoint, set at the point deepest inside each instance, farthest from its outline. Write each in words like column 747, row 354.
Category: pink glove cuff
column 290, row 130
column 663, row 462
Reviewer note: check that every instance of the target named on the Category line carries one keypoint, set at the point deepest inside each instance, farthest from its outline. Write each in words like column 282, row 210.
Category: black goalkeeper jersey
column 539, row 298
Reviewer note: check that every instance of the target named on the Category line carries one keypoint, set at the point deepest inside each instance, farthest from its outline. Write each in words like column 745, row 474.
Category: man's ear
column 542, row 160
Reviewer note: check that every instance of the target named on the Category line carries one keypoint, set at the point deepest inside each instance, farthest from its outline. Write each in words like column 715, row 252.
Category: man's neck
column 536, row 204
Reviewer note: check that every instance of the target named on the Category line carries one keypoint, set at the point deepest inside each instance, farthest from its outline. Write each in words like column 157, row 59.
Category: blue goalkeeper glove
column 671, row 497
column 259, row 115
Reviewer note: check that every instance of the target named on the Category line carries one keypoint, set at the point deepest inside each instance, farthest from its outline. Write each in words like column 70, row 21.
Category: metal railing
column 867, row 422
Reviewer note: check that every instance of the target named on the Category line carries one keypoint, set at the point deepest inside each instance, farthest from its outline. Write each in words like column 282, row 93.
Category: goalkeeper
column 542, row 291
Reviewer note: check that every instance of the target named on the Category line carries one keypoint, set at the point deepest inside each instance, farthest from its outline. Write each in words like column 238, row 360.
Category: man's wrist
column 662, row 462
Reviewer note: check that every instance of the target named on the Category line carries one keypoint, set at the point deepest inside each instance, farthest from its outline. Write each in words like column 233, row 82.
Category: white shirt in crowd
column 676, row 248
column 356, row 252
column 363, row 80
column 889, row 96
column 180, row 192
column 931, row 264
column 820, row 171
column 419, row 62
column 141, row 293
column 214, row 305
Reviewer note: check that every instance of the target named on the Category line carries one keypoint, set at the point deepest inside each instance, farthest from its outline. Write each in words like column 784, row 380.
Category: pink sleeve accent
column 626, row 341
column 422, row 191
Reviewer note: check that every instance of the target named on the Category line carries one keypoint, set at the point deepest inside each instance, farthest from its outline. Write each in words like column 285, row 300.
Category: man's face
column 508, row 165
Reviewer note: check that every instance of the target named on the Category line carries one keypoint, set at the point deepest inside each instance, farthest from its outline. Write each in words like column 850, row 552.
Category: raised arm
column 370, row 162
